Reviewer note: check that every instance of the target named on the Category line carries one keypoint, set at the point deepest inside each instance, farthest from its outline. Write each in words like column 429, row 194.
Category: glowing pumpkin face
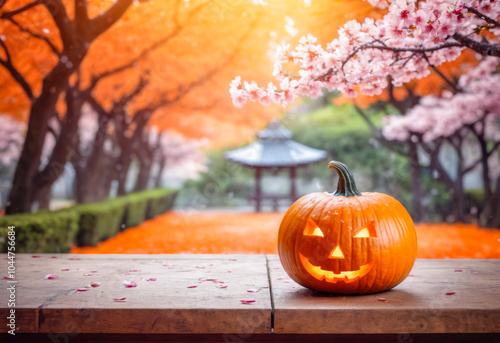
column 347, row 242
column 328, row 261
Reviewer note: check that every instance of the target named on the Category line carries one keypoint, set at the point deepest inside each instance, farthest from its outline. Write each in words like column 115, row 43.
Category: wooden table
column 193, row 297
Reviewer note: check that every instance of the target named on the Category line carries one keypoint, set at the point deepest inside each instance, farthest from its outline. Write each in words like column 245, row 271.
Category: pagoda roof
column 275, row 148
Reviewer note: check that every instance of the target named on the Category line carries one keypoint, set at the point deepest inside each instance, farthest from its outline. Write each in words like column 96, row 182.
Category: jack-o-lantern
column 347, row 242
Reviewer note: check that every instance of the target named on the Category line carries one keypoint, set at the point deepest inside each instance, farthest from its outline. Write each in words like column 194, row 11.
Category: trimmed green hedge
column 98, row 221
column 84, row 224
column 41, row 232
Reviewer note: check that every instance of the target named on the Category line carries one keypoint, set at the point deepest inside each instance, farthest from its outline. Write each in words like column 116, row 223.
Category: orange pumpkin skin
column 355, row 244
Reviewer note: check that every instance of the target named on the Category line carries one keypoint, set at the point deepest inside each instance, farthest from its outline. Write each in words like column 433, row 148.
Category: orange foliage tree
column 137, row 65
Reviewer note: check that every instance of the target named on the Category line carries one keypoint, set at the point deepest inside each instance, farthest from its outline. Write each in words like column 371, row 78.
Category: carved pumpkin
column 347, row 242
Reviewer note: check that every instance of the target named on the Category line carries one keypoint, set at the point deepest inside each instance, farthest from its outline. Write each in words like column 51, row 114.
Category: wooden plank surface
column 165, row 305
column 418, row 305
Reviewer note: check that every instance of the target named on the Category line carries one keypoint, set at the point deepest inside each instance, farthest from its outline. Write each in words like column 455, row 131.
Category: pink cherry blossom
column 409, row 39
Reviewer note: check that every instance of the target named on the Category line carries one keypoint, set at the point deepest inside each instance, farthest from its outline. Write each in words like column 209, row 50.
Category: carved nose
column 336, row 253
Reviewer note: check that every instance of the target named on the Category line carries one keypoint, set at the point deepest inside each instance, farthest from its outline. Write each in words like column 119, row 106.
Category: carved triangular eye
column 367, row 231
column 312, row 229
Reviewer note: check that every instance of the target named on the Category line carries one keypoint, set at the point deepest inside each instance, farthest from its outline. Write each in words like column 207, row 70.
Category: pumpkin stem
column 346, row 186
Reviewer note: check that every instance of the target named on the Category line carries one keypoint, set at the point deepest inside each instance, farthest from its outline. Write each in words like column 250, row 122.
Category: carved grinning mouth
column 329, row 276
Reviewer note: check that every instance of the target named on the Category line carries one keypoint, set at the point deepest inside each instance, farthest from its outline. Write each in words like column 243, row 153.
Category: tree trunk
column 65, row 146
column 43, row 197
column 90, row 171
column 416, row 185
column 122, row 168
column 145, row 165
column 492, row 219
column 158, row 176
column 42, row 108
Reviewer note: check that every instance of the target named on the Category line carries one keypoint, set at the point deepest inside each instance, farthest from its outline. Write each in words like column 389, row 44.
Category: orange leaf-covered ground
column 256, row 233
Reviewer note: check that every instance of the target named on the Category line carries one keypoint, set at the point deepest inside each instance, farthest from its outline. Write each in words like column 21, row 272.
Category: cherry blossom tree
column 453, row 119
column 412, row 40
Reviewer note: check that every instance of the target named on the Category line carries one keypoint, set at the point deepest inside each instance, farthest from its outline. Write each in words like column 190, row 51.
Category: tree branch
column 66, row 29
column 7, row 63
column 81, row 16
column 104, row 21
column 484, row 49
column 487, row 19
column 10, row 14
column 456, row 89
column 36, row 35
column 152, row 47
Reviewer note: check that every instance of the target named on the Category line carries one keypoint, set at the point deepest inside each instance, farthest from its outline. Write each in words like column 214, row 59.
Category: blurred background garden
column 117, row 123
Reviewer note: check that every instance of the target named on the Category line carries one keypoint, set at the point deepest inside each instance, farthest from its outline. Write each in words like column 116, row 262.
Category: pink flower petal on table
column 130, row 284
column 193, row 286
column 247, row 301
column 6, row 278
column 411, row 275
column 151, row 279
column 381, row 299
column 120, row 300
column 36, row 256
column 53, row 256
column 81, row 289
column 94, row 284
column 65, row 269
column 280, row 278
column 221, row 286
column 450, row 293
column 94, row 271
column 200, row 267
column 458, row 270
column 253, row 290
column 51, row 277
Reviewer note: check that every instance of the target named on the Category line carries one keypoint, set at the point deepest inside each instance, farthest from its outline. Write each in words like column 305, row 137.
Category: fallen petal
column 193, row 286
column 247, row 301
column 53, row 256
column 36, row 256
column 450, row 293
column 64, row 269
column 81, row 289
column 200, row 267
column 51, row 277
column 120, row 299
column 382, row 299
column 130, row 284
column 458, row 270
column 94, row 284
column 253, row 290
column 151, row 279
column 6, row 278
column 221, row 286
